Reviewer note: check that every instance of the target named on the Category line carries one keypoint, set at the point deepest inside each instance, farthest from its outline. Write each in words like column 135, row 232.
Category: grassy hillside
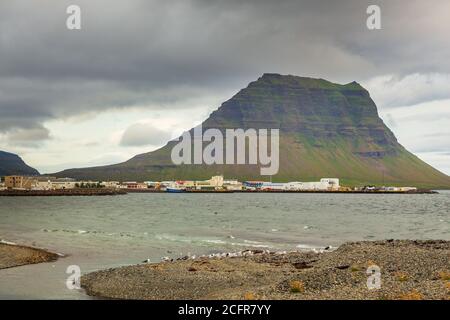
column 326, row 130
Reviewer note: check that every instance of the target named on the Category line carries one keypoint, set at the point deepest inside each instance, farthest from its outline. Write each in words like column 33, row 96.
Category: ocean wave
column 221, row 242
column 8, row 242
column 215, row 241
column 91, row 232
column 245, row 244
column 318, row 249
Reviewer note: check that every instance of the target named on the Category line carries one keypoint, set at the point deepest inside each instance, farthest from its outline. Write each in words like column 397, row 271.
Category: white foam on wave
column 8, row 242
column 251, row 243
column 306, row 247
column 215, row 241
column 248, row 245
column 168, row 237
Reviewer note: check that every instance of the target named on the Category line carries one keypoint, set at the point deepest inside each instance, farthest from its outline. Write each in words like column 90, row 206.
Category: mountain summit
column 326, row 130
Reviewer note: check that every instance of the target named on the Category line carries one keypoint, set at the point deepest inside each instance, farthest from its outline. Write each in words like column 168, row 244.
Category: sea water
column 110, row 231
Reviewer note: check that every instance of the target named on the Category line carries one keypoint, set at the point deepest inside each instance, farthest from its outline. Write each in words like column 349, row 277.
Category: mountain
column 12, row 164
column 326, row 130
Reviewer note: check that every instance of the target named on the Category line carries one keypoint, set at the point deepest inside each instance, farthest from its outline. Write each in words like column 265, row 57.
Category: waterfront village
column 215, row 184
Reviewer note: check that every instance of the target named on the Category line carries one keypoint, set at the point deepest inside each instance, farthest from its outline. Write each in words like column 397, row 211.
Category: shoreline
column 420, row 191
column 114, row 192
column 61, row 192
column 15, row 255
column 409, row 270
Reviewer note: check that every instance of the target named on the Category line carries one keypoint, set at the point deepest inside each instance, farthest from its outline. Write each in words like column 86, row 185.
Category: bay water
column 109, row 231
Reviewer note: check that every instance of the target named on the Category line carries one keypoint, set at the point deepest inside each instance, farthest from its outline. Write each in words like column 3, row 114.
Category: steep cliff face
column 313, row 109
column 326, row 129
column 12, row 164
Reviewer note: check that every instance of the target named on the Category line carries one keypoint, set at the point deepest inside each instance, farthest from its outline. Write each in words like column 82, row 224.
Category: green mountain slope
column 326, row 130
column 12, row 164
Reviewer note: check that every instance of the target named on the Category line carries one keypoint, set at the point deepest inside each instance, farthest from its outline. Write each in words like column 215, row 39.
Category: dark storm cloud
column 28, row 137
column 155, row 53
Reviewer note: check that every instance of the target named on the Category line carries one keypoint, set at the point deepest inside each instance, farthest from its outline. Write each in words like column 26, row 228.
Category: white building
column 274, row 186
column 232, row 185
column 406, row 189
column 152, row 184
column 318, row 185
column 398, row 189
column 332, row 182
column 325, row 184
column 216, row 181
column 110, row 184
column 296, row 185
column 133, row 185
column 46, row 183
column 167, row 183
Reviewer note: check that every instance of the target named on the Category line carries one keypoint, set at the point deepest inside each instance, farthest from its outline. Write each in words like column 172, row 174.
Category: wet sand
column 15, row 255
column 409, row 270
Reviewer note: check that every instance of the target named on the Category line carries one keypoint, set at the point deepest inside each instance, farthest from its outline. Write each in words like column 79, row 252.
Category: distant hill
column 12, row 164
column 326, row 130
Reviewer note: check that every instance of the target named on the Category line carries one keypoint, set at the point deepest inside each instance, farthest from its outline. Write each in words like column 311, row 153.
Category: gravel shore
column 409, row 270
column 15, row 255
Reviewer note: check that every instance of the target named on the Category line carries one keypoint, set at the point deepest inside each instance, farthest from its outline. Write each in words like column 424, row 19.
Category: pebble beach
column 12, row 255
column 409, row 270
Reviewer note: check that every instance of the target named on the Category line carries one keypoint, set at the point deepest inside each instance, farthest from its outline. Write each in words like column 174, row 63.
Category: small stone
column 343, row 267
column 301, row 265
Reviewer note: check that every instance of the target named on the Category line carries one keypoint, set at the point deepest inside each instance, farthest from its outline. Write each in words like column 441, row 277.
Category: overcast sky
column 141, row 72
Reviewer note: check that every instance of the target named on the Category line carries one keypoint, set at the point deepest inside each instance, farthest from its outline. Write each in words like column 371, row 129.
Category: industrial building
column 325, row 184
